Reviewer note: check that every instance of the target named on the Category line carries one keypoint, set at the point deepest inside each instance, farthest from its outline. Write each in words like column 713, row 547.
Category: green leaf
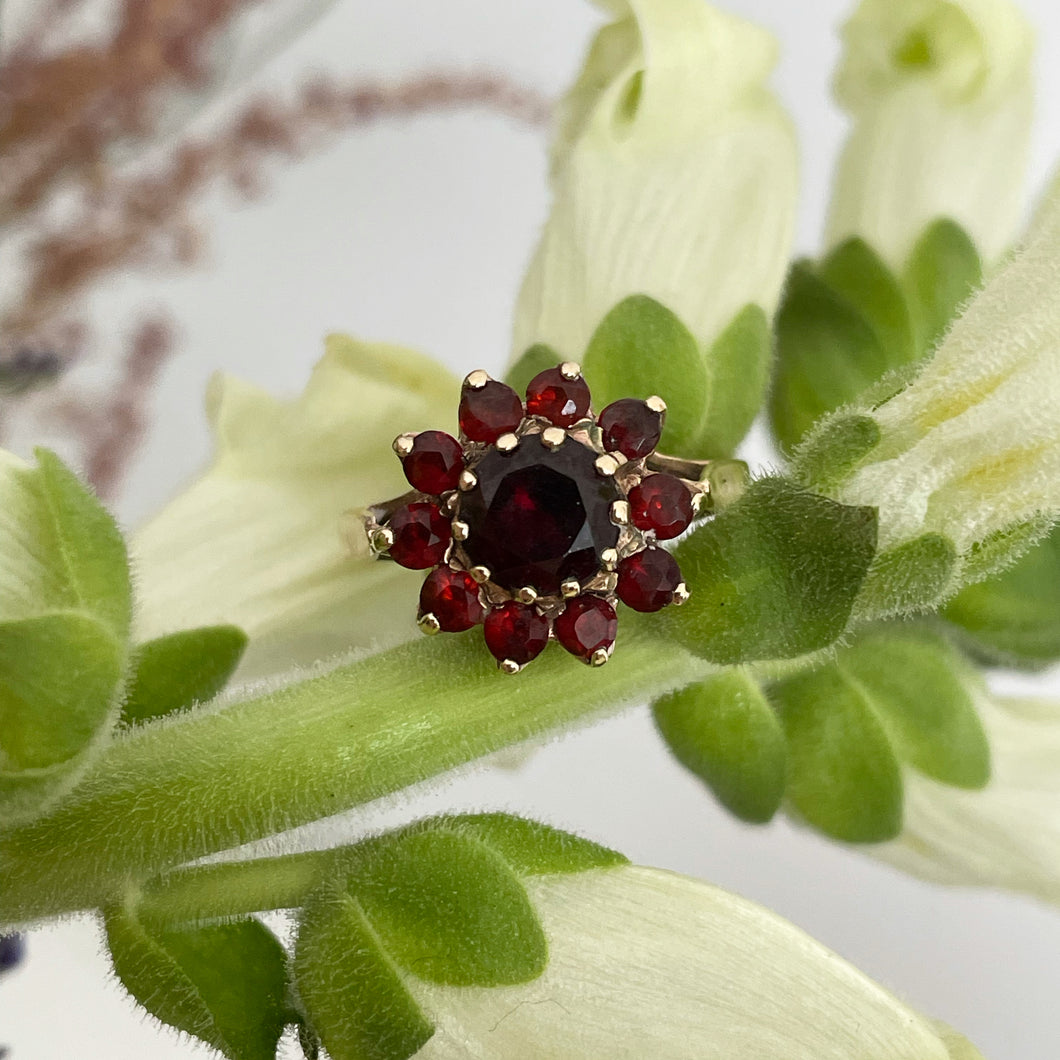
column 225, row 983
column 1014, row 617
column 738, row 367
column 920, row 689
column 536, row 359
column 843, row 773
column 772, row 577
column 725, row 731
column 90, row 548
column 997, row 551
column 450, row 910
column 171, row 673
column 639, row 349
column 529, row 847
column 59, row 675
column 831, row 452
column 353, row 995
column 908, row 578
column 942, row 272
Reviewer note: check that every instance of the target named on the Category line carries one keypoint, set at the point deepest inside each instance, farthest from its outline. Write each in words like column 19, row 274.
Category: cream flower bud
column 941, row 97
column 674, row 175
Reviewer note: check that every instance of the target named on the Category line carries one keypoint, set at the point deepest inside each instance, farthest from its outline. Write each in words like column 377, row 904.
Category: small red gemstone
column 421, row 535
column 661, row 503
column 631, row 428
column 647, row 580
column 560, row 401
column 516, row 631
column 586, row 624
column 435, row 463
column 452, row 597
column 489, row 411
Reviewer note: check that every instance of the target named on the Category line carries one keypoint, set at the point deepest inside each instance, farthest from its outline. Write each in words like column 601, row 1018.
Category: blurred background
column 411, row 222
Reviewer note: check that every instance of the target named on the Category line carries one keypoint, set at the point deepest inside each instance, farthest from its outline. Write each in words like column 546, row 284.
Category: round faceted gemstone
column 559, row 400
column 516, row 631
column 452, row 597
column 421, row 535
column 435, row 463
column 630, row 427
column 489, row 411
column 538, row 516
column 661, row 503
column 647, row 580
column 587, row 624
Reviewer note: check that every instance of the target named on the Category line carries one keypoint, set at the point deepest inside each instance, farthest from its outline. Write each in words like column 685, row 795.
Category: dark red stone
column 560, row 401
column 421, row 535
column 489, row 412
column 452, row 597
column 435, row 463
column 661, row 503
column 516, row 631
column 647, row 580
column 587, row 624
column 631, row 428
column 539, row 516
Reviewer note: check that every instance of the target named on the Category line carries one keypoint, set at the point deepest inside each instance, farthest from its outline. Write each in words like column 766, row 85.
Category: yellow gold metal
column 609, row 558
column 570, row 370
column 607, row 464
column 571, row 587
column 656, row 404
column 468, row 480
column 526, row 595
column 508, row 666
column 681, row 594
column 460, row 530
column 553, row 437
column 403, row 444
column 381, row 538
column 480, row 574
column 620, row 513
column 477, row 380
column 599, row 657
column 428, row 624
column 506, row 443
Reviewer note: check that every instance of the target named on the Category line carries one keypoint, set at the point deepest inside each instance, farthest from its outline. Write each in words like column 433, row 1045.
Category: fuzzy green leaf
column 843, row 773
column 450, row 909
column 921, row 690
column 536, row 359
column 942, row 272
column 725, row 731
column 353, row 994
column 639, row 349
column 772, row 577
column 171, row 673
column 908, row 578
column 832, row 451
column 225, row 983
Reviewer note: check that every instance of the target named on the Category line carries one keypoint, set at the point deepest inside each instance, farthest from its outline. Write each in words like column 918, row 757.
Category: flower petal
column 256, row 541
column 941, row 95
column 648, row 963
column 674, row 175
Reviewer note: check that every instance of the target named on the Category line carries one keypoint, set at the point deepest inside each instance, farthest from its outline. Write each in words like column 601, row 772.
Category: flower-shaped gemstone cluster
column 539, row 518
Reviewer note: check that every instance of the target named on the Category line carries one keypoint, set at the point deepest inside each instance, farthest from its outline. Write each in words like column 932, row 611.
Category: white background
column 417, row 232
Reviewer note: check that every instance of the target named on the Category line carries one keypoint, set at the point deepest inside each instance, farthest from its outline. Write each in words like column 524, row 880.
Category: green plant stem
column 212, row 780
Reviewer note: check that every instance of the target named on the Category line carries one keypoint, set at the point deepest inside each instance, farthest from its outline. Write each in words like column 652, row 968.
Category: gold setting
column 428, row 624
column 403, row 444
column 553, row 437
column 507, row 443
column 570, row 370
column 476, row 380
column 468, row 481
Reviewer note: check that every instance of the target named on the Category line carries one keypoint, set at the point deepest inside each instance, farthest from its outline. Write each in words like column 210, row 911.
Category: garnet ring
column 540, row 516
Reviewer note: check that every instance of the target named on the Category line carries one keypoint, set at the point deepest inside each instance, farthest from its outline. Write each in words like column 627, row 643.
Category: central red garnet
column 538, row 516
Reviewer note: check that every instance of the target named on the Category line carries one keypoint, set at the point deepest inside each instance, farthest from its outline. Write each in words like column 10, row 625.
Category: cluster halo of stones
column 540, row 517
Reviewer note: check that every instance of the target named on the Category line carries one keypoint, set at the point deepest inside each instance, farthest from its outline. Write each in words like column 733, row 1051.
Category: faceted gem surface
column 631, row 428
column 647, row 579
column 421, row 535
column 489, row 412
column 435, row 463
column 539, row 516
column 452, row 597
column 516, row 631
column 560, row 401
column 587, row 624
column 661, row 503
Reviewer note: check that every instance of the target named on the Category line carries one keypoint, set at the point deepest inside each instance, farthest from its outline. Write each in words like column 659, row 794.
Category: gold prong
column 526, row 595
column 480, row 574
column 681, row 594
column 607, row 464
column 620, row 513
column 460, row 530
column 570, row 370
column 403, row 444
column 380, row 539
column 610, row 582
column 609, row 558
column 656, row 404
column 571, row 587
column 477, row 379
column 599, row 657
column 428, row 624
column 468, row 480
column 506, row 443
column 509, row 666
column 700, row 500
column 553, row 437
